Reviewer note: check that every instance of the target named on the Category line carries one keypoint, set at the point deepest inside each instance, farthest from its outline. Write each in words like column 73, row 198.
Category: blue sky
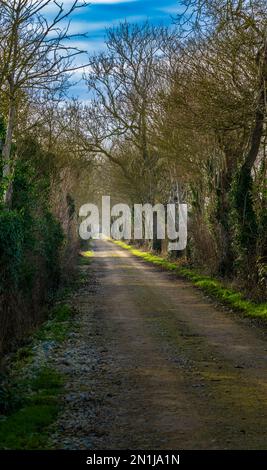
column 102, row 14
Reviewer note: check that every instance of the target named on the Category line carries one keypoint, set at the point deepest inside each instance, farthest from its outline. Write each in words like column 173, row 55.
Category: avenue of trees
column 173, row 115
column 180, row 115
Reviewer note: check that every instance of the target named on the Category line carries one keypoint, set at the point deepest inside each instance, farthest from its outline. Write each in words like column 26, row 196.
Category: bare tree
column 35, row 55
column 119, row 120
column 229, row 79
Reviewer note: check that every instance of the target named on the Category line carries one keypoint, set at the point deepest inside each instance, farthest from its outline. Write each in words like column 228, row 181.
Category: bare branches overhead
column 35, row 54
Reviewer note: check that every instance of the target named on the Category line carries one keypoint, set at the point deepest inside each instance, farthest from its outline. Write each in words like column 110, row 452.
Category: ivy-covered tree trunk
column 223, row 205
column 6, row 154
column 243, row 191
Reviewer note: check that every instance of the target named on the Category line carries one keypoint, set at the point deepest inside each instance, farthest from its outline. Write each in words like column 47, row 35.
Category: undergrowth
column 29, row 394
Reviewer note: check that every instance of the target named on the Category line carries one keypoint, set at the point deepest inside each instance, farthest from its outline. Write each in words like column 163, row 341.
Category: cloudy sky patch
column 100, row 15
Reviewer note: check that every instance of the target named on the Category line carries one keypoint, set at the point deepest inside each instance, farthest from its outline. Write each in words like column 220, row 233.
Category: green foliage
column 11, row 248
column 49, row 247
column 262, row 241
column 31, row 239
column 23, row 241
column 29, row 394
column 246, row 222
column 26, row 428
column 85, row 258
column 2, row 128
column 58, row 325
column 249, row 228
column 30, row 232
column 10, row 398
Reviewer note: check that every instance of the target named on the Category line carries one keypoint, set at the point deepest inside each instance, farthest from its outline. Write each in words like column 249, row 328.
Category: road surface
column 156, row 365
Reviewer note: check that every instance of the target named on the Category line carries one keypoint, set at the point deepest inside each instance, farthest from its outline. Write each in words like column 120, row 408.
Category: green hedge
column 11, row 248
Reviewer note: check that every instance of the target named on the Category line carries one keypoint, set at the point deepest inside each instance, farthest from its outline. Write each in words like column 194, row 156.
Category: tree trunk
column 6, row 153
column 243, row 196
column 222, row 213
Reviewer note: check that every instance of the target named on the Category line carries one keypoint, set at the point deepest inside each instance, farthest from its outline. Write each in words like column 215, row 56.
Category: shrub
column 11, row 249
column 30, row 246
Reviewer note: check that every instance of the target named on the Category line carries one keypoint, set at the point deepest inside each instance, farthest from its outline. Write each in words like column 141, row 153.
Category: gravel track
column 153, row 364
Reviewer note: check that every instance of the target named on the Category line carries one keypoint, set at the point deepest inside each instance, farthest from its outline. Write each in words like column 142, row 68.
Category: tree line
column 179, row 115
column 40, row 160
column 173, row 114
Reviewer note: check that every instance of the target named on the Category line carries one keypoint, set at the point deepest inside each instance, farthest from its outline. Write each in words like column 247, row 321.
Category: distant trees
column 181, row 114
column 119, row 121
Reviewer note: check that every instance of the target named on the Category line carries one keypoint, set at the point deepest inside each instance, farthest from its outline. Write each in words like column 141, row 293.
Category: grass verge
column 85, row 258
column 27, row 427
column 29, row 395
column 213, row 287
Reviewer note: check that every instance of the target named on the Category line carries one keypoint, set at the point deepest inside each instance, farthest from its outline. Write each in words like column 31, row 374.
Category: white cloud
column 82, row 27
column 51, row 7
column 87, row 45
column 110, row 2
column 172, row 9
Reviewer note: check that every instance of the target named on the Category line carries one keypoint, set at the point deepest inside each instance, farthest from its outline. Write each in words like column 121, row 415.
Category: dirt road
column 156, row 365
